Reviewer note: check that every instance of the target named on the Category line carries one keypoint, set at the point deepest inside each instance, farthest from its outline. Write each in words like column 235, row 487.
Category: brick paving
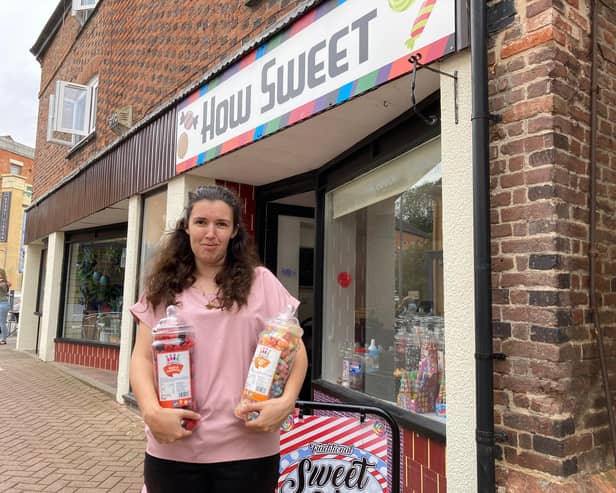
column 59, row 434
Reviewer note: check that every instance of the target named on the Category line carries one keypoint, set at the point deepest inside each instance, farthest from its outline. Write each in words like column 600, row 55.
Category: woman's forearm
column 297, row 375
column 142, row 372
column 142, row 384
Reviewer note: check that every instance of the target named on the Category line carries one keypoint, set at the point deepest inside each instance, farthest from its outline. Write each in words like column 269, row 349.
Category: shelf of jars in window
column 410, row 373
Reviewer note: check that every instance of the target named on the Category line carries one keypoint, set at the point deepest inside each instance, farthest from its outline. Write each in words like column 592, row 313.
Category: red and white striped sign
column 333, row 454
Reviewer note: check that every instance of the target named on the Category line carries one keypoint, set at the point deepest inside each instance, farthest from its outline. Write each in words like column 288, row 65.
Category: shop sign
column 326, row 453
column 5, row 212
column 337, row 51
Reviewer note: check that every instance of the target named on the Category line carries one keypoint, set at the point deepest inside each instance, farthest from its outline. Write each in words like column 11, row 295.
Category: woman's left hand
column 272, row 413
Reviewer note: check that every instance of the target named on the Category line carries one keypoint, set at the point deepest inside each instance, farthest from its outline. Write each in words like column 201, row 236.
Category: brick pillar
column 548, row 393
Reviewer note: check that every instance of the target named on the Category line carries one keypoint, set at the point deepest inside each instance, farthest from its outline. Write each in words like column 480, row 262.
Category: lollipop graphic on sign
column 420, row 22
column 400, row 5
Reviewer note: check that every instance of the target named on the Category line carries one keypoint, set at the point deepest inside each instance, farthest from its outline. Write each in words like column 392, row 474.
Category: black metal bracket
column 493, row 117
column 490, row 356
column 432, row 119
column 501, row 437
column 490, row 438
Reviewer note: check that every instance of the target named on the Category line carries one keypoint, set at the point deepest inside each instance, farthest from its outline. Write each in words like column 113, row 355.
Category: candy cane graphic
column 420, row 22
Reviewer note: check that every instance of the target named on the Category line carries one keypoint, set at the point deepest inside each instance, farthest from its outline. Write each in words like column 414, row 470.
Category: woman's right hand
column 166, row 424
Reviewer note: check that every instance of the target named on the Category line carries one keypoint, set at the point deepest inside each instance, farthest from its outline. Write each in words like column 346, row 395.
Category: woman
column 5, row 285
column 207, row 268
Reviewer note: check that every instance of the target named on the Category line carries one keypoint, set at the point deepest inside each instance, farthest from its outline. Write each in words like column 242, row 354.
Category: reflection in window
column 94, row 290
column 383, row 313
column 154, row 220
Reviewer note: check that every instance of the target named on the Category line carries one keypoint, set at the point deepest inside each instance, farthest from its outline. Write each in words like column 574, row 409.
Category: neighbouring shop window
column 94, row 287
column 154, row 222
column 383, row 309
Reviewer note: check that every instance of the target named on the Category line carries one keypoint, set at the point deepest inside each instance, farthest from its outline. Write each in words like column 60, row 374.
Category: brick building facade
column 548, row 395
column 16, row 171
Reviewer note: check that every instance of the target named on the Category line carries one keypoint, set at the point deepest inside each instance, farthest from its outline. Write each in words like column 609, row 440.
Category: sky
column 21, row 22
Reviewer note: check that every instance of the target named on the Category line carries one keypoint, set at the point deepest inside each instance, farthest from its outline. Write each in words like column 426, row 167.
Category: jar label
column 173, row 376
column 262, row 370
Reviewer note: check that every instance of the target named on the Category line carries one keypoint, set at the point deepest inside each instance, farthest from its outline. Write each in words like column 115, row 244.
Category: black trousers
column 241, row 476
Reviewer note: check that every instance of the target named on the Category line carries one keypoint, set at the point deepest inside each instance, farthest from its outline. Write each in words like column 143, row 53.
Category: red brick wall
column 548, row 392
column 5, row 164
column 143, row 56
column 103, row 357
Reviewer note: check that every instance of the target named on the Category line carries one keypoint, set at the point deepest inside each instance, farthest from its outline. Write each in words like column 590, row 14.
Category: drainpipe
column 481, row 235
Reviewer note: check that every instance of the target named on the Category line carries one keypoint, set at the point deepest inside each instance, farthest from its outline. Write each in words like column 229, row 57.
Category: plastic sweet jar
column 272, row 361
column 173, row 344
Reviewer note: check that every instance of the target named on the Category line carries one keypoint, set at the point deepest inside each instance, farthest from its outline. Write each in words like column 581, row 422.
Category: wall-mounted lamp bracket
column 432, row 119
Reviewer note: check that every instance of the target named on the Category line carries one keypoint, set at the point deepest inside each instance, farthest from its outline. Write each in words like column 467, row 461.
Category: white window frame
column 93, row 85
column 51, row 123
column 61, row 99
column 88, row 122
column 18, row 166
column 82, row 5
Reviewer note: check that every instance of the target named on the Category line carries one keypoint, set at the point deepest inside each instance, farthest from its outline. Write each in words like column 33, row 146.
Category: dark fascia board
column 462, row 25
column 51, row 28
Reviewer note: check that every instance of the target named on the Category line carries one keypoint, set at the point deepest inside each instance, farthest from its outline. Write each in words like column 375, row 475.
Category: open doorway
column 289, row 246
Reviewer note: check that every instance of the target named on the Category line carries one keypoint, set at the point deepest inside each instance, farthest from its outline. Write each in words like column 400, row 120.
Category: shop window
column 154, row 222
column 94, row 288
column 72, row 112
column 383, row 278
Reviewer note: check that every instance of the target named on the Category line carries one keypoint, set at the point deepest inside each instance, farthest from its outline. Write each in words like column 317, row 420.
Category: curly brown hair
column 174, row 266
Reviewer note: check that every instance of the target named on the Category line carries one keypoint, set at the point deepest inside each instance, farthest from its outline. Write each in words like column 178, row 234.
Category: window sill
column 406, row 419
column 81, row 144
column 85, row 342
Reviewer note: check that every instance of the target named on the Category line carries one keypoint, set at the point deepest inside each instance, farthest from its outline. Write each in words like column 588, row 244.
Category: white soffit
column 118, row 213
column 314, row 142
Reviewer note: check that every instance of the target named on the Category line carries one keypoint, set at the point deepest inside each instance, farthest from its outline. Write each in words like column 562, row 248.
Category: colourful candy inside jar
column 272, row 360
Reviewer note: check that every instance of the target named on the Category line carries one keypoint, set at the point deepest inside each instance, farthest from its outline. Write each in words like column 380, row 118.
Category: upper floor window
column 82, row 9
column 72, row 112
column 84, row 4
column 15, row 167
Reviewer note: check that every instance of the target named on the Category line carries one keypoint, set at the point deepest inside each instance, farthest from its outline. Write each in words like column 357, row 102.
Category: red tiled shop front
column 424, row 464
column 105, row 358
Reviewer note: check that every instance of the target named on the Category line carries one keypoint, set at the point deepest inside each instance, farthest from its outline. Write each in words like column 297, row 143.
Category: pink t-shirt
column 224, row 346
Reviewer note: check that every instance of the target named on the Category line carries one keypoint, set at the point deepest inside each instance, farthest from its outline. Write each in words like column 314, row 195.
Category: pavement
column 60, row 434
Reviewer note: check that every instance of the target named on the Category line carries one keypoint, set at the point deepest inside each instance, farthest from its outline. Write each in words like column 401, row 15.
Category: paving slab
column 60, row 434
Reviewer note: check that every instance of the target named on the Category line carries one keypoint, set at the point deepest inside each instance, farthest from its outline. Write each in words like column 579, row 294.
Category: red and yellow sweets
column 272, row 360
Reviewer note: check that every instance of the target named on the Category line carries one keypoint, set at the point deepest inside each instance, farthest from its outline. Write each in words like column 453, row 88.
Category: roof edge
column 8, row 144
column 50, row 29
